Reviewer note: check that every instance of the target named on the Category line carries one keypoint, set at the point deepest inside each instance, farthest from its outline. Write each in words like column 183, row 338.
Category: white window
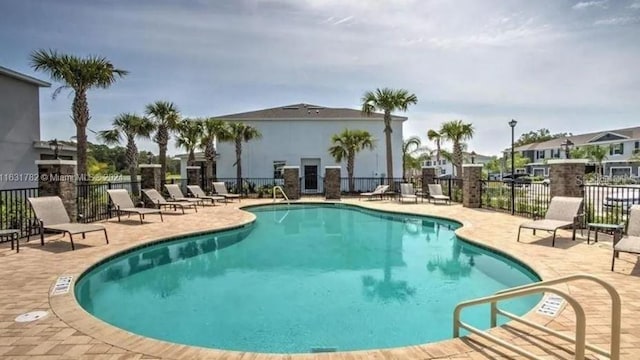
column 428, row 163
column 443, row 171
column 616, row 149
column 541, row 154
column 538, row 172
column 620, row 171
column 278, row 170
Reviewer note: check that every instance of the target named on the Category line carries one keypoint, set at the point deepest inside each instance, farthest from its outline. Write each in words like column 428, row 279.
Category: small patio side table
column 13, row 235
column 615, row 229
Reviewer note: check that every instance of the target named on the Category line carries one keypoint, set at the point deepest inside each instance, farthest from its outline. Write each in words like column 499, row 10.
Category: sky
column 566, row 65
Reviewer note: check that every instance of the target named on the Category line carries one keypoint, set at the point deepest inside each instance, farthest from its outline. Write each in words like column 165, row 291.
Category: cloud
column 634, row 5
column 589, row 4
column 614, row 21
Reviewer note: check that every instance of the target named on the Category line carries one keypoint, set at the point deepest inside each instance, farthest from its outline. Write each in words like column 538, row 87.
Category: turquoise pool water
column 303, row 277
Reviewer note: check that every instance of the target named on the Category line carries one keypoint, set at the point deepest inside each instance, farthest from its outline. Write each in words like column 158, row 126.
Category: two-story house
column 622, row 150
column 446, row 168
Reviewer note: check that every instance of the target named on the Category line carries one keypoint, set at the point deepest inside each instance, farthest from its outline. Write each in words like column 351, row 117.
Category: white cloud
column 623, row 20
column 635, row 5
column 589, row 4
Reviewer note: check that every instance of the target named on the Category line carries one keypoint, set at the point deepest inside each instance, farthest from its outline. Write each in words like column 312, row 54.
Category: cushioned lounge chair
column 52, row 216
column 123, row 204
column 221, row 189
column 161, row 202
column 630, row 243
column 435, row 193
column 197, row 191
column 563, row 212
column 378, row 191
column 407, row 193
column 176, row 194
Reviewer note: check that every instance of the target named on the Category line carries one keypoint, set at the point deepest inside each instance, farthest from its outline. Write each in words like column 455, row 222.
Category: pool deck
column 70, row 333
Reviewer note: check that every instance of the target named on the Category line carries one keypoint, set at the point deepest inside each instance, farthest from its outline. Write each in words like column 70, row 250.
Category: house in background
column 621, row 145
column 300, row 135
column 446, row 167
column 20, row 144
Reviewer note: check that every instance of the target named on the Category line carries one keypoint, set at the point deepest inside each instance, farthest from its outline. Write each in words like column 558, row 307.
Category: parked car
column 623, row 201
column 518, row 180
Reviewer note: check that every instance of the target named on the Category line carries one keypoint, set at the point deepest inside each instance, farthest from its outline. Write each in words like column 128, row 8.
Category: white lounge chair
column 221, row 189
column 52, row 215
column 630, row 243
column 197, row 191
column 563, row 212
column 407, row 193
column 176, row 194
column 435, row 193
column 123, row 204
column 161, row 202
column 378, row 191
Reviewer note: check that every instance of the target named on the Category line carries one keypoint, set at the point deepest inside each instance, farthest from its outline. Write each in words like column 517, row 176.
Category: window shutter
column 610, row 149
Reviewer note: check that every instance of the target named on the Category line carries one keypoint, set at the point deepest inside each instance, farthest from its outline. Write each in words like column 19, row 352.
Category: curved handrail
column 277, row 187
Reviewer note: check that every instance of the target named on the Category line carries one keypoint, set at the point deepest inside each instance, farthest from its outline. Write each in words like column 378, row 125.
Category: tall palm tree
column 188, row 136
column 409, row 147
column 346, row 145
column 457, row 132
column 80, row 75
column 436, row 137
column 238, row 133
column 212, row 129
column 597, row 154
column 129, row 126
column 165, row 116
column 387, row 100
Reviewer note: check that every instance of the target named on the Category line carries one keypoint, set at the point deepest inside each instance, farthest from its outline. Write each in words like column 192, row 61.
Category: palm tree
column 129, row 126
column 188, row 136
column 597, row 154
column 238, row 133
column 436, row 137
column 212, row 129
column 387, row 100
column 457, row 132
column 346, row 145
column 165, row 116
column 409, row 147
column 80, row 75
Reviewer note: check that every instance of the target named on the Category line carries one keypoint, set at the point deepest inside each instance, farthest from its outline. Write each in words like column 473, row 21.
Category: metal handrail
column 277, row 187
column 544, row 286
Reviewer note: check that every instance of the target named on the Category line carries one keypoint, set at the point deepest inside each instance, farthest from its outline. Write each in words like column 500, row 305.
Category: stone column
column 428, row 177
column 292, row 182
column 59, row 178
column 332, row 182
column 150, row 176
column 471, row 186
column 193, row 175
column 566, row 177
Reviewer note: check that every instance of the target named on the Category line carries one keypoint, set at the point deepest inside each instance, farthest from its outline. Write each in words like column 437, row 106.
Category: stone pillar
column 292, row 182
column 428, row 177
column 193, row 175
column 566, row 177
column 332, row 182
column 150, row 176
column 59, row 178
column 471, row 186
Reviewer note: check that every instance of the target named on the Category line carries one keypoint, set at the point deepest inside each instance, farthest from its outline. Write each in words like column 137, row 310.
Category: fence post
column 332, row 182
column 193, row 176
column 58, row 178
column 566, row 177
column 471, row 185
column 150, row 176
column 292, row 180
column 428, row 177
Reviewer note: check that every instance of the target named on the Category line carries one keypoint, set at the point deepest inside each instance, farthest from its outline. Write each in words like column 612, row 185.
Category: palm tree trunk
column 438, row 156
column 210, row 155
column 387, row 136
column 239, row 165
column 163, row 140
column 132, row 159
column 457, row 155
column 350, row 167
column 81, row 118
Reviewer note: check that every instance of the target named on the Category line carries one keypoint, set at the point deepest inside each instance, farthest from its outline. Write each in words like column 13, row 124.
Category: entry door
column 311, row 177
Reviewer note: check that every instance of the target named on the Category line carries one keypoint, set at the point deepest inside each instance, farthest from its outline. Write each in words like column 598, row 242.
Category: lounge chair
column 123, row 204
column 197, row 191
column 563, row 212
column 630, row 243
column 161, row 202
column 407, row 193
column 176, row 194
column 378, row 191
column 52, row 215
column 435, row 193
column 221, row 189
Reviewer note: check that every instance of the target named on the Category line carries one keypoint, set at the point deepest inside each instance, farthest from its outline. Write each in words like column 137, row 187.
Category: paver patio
column 70, row 333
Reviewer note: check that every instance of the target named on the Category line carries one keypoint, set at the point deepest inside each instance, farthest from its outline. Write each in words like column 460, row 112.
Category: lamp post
column 473, row 157
column 513, row 124
column 567, row 145
column 54, row 145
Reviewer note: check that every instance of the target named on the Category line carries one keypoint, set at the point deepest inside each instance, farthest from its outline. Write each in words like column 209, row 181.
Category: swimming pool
column 303, row 278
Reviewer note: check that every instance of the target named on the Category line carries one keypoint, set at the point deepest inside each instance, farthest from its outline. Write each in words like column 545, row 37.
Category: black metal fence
column 529, row 199
column 15, row 211
column 452, row 187
column 609, row 204
column 93, row 201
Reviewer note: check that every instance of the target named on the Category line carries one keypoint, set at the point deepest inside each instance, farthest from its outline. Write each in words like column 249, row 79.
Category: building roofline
column 22, row 77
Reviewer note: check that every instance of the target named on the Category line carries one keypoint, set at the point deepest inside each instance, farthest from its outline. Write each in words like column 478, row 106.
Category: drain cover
column 31, row 316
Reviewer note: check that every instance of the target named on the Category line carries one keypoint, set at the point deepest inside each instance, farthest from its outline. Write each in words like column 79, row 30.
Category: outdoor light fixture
column 567, row 145
column 513, row 124
column 473, row 157
column 55, row 146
